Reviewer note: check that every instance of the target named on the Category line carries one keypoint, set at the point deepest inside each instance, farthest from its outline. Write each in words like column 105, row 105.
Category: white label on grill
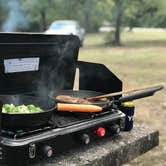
column 21, row 65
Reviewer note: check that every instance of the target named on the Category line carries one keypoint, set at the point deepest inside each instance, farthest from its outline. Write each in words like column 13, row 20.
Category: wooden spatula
column 157, row 87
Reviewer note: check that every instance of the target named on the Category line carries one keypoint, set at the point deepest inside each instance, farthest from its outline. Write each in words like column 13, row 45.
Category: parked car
column 66, row 27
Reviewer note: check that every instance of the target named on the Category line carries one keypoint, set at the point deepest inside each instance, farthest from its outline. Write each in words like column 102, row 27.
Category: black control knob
column 115, row 129
column 85, row 139
column 47, row 151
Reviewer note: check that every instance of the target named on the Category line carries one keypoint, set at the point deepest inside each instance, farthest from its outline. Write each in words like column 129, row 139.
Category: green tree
column 114, row 12
column 3, row 12
column 147, row 13
column 85, row 11
column 142, row 13
column 159, row 18
column 40, row 11
column 90, row 13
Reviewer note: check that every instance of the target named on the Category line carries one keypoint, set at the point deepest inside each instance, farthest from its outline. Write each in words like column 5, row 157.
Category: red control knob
column 101, row 132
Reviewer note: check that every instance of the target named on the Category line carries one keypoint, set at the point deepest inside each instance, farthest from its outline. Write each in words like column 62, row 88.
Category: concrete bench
column 110, row 151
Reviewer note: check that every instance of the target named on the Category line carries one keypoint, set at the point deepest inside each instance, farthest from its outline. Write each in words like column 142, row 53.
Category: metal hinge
column 32, row 151
column 1, row 153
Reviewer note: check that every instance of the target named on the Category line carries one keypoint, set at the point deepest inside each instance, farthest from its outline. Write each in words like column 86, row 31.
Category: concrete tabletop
column 114, row 151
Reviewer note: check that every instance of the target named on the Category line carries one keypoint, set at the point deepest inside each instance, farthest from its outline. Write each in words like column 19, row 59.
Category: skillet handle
column 142, row 94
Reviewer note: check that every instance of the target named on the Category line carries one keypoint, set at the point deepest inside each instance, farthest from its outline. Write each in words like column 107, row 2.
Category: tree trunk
column 87, row 11
column 86, row 21
column 43, row 20
column 118, row 21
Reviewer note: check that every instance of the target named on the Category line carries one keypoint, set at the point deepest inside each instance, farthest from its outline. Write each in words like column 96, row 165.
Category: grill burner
column 64, row 119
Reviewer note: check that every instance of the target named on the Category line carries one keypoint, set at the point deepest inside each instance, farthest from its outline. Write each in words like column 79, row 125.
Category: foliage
column 131, row 13
column 2, row 11
column 38, row 14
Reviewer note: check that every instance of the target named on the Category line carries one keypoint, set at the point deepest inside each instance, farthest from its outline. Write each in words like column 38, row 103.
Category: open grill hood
column 29, row 62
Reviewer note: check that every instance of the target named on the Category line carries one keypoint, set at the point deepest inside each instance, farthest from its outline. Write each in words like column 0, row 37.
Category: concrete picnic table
column 113, row 151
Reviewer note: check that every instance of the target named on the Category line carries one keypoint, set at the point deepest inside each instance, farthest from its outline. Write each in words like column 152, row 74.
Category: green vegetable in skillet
column 21, row 109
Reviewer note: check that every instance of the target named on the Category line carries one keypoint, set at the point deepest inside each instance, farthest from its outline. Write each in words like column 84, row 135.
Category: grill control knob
column 115, row 129
column 47, row 151
column 85, row 138
column 101, row 132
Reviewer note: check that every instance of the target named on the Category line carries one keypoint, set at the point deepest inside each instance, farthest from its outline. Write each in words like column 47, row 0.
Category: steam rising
column 14, row 99
column 16, row 18
column 58, row 72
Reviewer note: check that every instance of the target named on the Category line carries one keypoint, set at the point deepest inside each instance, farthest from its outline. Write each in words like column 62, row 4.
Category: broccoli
column 12, row 109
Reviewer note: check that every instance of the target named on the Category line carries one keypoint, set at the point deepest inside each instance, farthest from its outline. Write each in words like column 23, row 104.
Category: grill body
column 35, row 65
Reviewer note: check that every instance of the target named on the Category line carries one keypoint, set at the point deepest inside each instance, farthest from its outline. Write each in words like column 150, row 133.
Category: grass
column 140, row 61
column 133, row 60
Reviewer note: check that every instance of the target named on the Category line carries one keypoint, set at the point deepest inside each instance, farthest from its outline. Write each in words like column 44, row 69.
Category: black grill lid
column 37, row 62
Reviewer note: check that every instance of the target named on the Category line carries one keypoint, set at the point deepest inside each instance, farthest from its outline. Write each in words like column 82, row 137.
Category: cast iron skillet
column 80, row 94
column 30, row 120
column 84, row 93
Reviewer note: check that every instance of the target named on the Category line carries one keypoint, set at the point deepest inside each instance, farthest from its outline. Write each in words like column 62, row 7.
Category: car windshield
column 62, row 25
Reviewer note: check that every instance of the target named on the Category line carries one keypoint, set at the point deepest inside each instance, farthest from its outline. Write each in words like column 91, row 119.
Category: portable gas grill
column 35, row 65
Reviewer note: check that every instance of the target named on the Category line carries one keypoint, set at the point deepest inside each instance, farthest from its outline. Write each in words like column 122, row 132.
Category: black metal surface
column 44, row 136
column 64, row 119
column 141, row 94
column 16, row 134
column 17, row 151
column 97, row 77
column 55, row 52
column 30, row 120
column 1, row 104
